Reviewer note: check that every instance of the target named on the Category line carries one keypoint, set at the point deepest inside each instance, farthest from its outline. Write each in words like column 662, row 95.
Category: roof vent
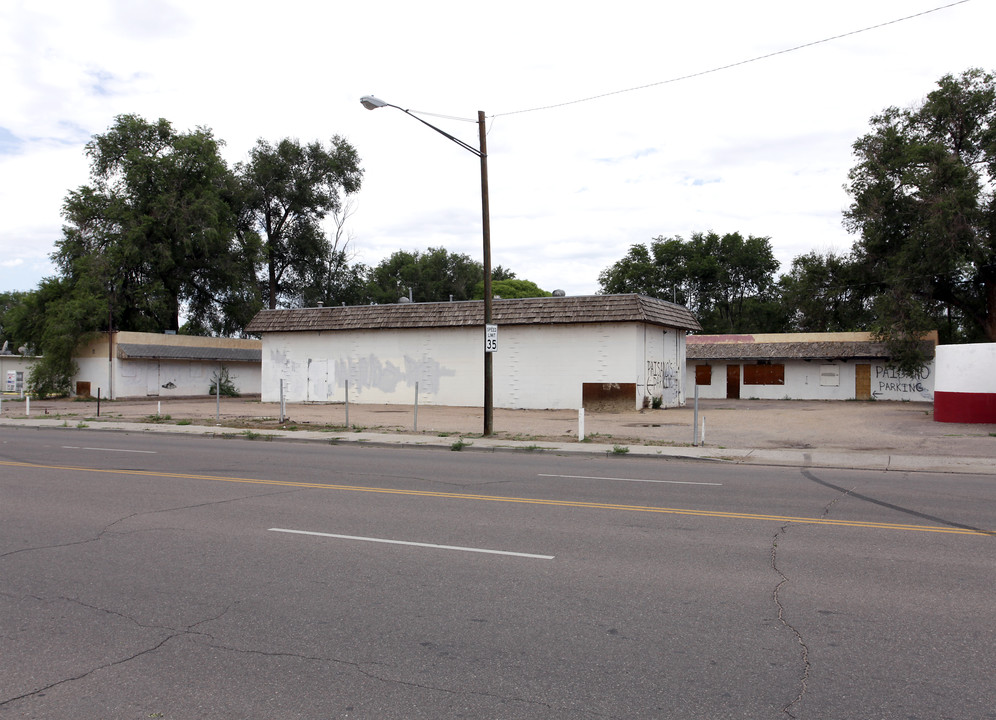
column 559, row 293
column 404, row 300
column 321, row 304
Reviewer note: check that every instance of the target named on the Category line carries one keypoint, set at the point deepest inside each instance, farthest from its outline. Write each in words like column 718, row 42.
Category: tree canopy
column 289, row 189
column 155, row 228
column 923, row 206
column 825, row 292
column 152, row 235
column 435, row 275
column 728, row 281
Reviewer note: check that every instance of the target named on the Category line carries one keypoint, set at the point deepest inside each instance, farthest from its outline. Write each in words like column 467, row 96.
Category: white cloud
column 761, row 148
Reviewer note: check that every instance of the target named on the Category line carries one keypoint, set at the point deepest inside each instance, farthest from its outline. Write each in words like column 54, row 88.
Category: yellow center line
column 527, row 501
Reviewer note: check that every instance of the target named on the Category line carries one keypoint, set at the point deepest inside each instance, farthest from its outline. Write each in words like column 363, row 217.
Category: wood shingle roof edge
column 468, row 313
column 792, row 350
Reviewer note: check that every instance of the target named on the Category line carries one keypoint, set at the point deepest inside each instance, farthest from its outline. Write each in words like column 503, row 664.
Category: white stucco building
column 153, row 365
column 802, row 366
column 557, row 352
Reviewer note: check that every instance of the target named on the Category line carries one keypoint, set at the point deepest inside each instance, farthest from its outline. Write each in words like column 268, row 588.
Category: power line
column 736, row 64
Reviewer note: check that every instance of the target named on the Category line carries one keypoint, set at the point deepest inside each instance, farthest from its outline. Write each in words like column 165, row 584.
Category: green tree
column 155, row 229
column 435, row 275
column 825, row 292
column 924, row 207
column 9, row 302
column 333, row 279
column 54, row 319
column 289, row 189
column 152, row 236
column 728, row 281
column 511, row 288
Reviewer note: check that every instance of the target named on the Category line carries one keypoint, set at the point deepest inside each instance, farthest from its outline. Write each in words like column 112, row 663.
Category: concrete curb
column 781, row 458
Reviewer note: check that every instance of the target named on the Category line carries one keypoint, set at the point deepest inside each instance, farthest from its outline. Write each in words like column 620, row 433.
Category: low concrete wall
column 965, row 390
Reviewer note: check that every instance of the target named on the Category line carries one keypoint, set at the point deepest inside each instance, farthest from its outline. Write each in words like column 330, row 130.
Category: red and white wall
column 965, row 386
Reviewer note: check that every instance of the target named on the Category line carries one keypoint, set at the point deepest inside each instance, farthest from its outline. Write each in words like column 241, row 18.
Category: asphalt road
column 177, row 577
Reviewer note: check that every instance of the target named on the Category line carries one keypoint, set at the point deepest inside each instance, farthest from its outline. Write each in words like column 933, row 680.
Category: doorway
column 732, row 382
column 862, row 382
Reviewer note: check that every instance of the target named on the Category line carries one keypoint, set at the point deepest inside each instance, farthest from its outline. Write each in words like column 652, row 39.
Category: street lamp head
column 372, row 103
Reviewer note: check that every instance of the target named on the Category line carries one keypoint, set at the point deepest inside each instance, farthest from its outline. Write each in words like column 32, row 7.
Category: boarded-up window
column 703, row 374
column 764, row 374
column 830, row 376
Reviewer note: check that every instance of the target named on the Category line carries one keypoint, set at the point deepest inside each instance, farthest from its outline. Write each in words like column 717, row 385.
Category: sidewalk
column 860, row 435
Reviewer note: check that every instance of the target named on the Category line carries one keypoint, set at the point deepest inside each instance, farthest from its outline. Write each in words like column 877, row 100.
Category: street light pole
column 372, row 103
column 486, row 224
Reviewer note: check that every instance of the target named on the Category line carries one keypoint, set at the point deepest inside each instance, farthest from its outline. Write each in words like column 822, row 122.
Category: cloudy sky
column 579, row 171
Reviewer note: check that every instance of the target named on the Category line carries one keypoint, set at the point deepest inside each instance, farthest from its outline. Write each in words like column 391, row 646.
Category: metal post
column 486, row 226
column 416, row 406
column 695, row 421
column 281, row 399
column 347, row 404
column 217, row 395
column 98, row 402
column 580, row 424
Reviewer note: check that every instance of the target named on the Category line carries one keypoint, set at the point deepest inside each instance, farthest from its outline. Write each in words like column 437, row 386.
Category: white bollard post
column 695, row 420
column 281, row 400
column 27, row 405
column 416, row 407
column 580, row 424
column 347, row 404
column 703, row 431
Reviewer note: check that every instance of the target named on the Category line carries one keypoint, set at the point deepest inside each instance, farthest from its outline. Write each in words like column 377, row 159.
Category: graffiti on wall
column 662, row 379
column 890, row 381
column 372, row 373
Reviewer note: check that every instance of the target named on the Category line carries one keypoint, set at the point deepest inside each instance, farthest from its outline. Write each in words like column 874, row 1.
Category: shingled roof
column 812, row 346
column 785, row 351
column 521, row 311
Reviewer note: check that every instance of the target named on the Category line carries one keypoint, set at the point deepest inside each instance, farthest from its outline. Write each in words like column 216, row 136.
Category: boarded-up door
column 152, row 377
column 862, row 382
column 733, row 382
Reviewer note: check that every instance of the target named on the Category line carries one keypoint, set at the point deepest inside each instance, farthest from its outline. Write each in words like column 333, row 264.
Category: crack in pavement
column 173, row 634
column 786, row 709
column 807, row 666
column 107, row 528
column 359, row 667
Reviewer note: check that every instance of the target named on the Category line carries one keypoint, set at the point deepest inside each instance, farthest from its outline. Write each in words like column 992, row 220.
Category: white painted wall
column 814, row 381
column 966, row 368
column 536, row 366
column 14, row 364
column 163, row 378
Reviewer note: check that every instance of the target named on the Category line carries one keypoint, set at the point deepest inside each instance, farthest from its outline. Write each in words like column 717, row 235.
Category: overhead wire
column 735, row 64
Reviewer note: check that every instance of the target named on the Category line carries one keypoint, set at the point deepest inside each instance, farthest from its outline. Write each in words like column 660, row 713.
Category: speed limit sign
column 490, row 338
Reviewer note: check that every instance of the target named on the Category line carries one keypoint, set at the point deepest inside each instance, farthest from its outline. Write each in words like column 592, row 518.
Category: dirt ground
column 894, row 427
